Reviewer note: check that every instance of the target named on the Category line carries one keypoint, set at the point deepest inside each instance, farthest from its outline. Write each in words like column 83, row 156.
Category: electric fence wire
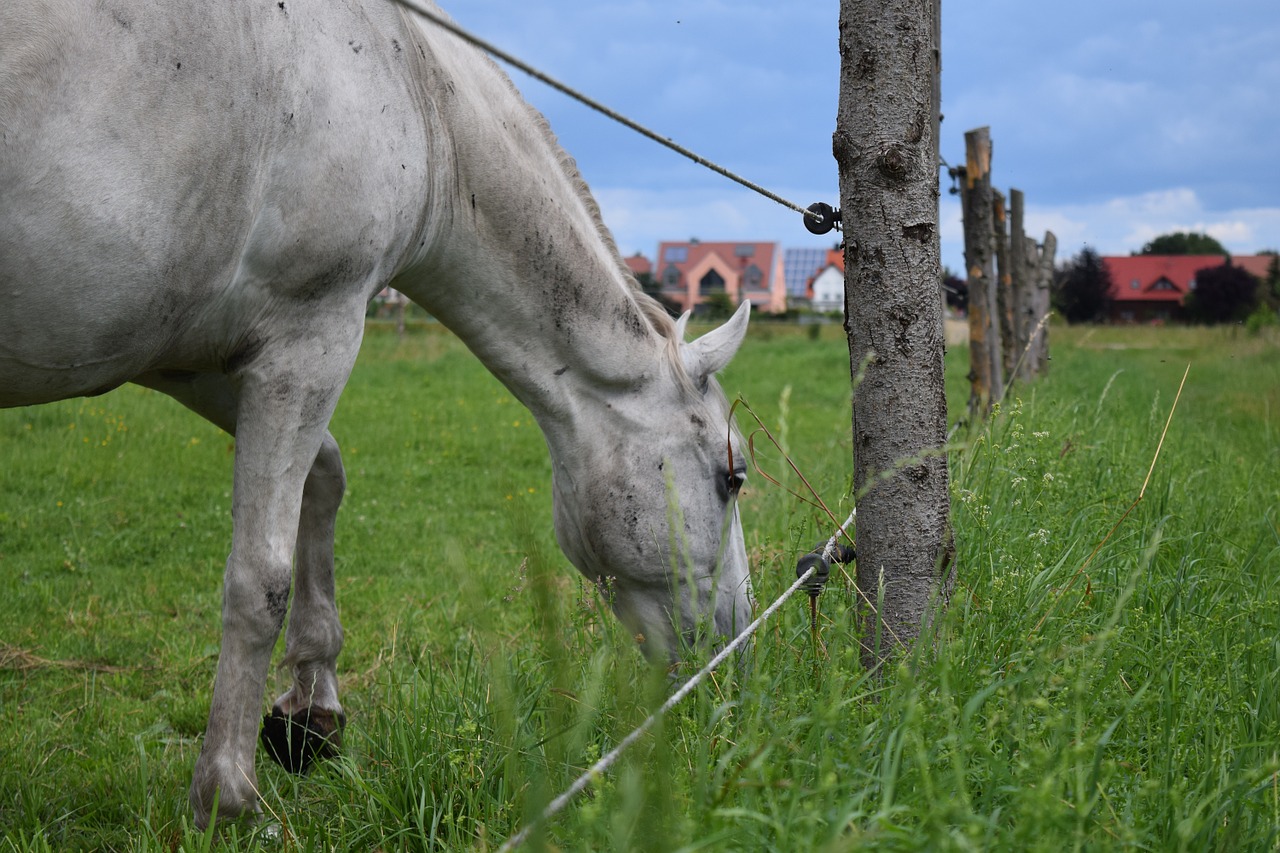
column 445, row 23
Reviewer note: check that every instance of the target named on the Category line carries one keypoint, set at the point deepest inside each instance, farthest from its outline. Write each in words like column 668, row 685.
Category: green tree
column 1183, row 243
column 715, row 306
column 1222, row 294
column 1082, row 288
column 1271, row 284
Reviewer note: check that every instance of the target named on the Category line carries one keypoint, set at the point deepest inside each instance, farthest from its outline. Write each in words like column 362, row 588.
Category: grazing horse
column 202, row 198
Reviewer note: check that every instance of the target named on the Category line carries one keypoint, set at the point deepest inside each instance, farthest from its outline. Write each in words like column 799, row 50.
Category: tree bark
column 885, row 150
column 986, row 380
column 1004, row 285
column 1043, row 276
column 1023, row 285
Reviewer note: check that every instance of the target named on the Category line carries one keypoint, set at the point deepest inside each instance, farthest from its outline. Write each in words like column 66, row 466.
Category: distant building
column 1153, row 288
column 1255, row 265
column 690, row 271
column 826, row 288
column 800, row 266
column 639, row 265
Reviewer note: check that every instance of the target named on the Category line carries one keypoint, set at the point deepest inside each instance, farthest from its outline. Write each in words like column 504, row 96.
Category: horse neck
column 516, row 262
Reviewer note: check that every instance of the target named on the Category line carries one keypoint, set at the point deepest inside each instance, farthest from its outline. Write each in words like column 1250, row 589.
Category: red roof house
column 1153, row 288
column 638, row 264
column 826, row 288
column 1256, row 265
column 689, row 271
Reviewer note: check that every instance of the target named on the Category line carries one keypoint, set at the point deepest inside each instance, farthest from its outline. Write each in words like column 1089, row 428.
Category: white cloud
column 1120, row 225
column 640, row 219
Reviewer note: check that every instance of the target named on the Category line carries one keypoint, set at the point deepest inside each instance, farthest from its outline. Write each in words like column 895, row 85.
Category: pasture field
column 1130, row 701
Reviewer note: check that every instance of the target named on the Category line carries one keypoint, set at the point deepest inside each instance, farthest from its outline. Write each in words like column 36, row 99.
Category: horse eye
column 735, row 481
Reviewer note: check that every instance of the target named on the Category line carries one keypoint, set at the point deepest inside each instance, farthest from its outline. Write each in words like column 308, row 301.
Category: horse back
column 181, row 178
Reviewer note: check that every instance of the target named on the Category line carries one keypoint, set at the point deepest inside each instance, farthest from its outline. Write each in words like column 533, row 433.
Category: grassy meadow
column 1123, row 699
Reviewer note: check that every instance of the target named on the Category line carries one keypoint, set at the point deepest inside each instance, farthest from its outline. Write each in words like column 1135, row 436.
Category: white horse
column 201, row 197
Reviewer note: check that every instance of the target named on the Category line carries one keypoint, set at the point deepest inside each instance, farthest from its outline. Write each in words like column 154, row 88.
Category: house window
column 1133, row 285
column 744, row 250
column 676, row 254
column 1164, row 284
column 712, row 281
column 752, row 277
column 671, row 277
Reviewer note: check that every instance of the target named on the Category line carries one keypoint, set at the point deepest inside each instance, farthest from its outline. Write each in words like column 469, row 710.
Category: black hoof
column 297, row 741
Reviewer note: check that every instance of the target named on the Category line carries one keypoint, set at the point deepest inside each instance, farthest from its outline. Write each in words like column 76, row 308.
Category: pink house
column 688, row 272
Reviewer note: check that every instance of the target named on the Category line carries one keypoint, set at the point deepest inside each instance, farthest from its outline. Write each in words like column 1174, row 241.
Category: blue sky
column 1119, row 120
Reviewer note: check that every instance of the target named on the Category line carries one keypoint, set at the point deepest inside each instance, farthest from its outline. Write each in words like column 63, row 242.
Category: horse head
column 646, row 500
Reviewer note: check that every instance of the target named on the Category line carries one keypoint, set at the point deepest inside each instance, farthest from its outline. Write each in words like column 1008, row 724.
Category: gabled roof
column 638, row 264
column 1156, row 278
column 834, row 260
column 1255, row 264
column 736, row 257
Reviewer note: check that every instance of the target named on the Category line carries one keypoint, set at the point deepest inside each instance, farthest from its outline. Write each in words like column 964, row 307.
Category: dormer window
column 711, row 282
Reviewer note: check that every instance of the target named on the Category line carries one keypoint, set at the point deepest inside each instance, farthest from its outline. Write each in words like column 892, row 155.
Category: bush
column 1262, row 317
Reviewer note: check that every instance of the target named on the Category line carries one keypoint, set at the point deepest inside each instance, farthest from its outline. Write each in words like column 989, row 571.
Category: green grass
column 1131, row 704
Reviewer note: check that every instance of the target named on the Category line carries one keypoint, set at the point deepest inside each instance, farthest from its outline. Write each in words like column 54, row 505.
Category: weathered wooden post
column 1004, row 287
column 1043, row 279
column 984, row 343
column 1022, row 286
column 888, row 166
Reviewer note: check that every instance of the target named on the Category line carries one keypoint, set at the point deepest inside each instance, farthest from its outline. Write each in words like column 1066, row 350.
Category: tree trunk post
column 1004, row 286
column 1022, row 286
column 986, row 385
column 888, row 167
column 1043, row 276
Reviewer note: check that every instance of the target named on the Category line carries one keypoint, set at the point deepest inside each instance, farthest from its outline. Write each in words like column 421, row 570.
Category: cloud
column 1123, row 224
column 1120, row 121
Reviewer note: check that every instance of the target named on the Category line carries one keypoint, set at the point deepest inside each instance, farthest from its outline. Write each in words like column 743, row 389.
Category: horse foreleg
column 280, row 427
column 305, row 723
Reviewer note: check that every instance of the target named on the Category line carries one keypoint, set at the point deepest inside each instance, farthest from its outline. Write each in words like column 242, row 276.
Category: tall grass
column 1134, row 704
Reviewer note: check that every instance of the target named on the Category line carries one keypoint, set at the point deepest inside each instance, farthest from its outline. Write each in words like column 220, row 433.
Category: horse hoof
column 298, row 741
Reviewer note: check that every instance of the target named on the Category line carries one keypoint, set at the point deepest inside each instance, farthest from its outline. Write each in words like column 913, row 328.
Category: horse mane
column 650, row 308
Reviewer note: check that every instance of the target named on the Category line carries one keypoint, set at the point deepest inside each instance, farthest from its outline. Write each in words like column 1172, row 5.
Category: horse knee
column 256, row 601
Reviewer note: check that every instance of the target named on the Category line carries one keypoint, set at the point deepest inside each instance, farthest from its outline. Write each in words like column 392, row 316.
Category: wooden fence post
column 888, row 168
column 1004, row 286
column 1022, row 286
column 1043, row 278
column 986, row 381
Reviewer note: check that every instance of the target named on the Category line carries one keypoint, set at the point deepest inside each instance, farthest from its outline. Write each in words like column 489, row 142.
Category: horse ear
column 682, row 325
column 710, row 353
